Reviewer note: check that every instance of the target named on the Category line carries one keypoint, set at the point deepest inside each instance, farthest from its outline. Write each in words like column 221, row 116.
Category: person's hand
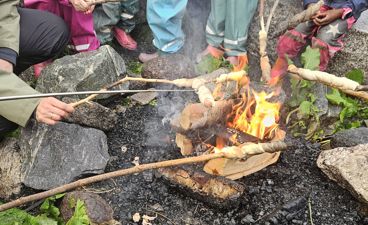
column 51, row 110
column 90, row 10
column 80, row 5
column 327, row 17
column 6, row 66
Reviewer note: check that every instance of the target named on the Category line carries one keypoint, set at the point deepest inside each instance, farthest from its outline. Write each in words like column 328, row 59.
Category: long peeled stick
column 264, row 60
column 342, row 83
column 231, row 152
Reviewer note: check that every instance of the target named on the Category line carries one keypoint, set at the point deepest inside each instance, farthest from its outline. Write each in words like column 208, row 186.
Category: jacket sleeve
column 358, row 6
column 9, row 25
column 307, row 2
column 17, row 111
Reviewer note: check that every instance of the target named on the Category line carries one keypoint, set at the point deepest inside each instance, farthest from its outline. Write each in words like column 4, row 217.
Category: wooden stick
column 304, row 16
column 126, row 79
column 269, row 19
column 264, row 60
column 231, row 153
column 96, row 2
column 341, row 83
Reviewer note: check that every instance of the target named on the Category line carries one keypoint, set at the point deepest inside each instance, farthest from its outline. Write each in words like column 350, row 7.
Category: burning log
column 216, row 191
column 197, row 115
column 342, row 83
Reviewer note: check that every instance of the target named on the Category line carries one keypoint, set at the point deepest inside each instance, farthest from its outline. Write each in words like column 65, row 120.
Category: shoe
column 40, row 66
column 238, row 62
column 124, row 39
column 210, row 50
column 145, row 57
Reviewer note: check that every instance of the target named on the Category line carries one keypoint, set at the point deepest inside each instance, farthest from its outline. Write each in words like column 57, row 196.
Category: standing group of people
column 35, row 34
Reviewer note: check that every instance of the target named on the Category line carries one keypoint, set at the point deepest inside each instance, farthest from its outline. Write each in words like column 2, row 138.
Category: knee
column 59, row 33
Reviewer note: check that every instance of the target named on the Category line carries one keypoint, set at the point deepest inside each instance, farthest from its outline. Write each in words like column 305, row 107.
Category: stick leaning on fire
column 233, row 152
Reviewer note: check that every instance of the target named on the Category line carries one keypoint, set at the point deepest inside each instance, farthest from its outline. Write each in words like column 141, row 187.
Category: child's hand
column 80, row 5
column 327, row 17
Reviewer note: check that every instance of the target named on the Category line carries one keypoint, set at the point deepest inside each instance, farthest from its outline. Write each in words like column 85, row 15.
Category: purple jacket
column 357, row 6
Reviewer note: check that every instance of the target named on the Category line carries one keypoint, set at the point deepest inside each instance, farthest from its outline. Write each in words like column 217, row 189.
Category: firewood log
column 216, row 191
column 197, row 115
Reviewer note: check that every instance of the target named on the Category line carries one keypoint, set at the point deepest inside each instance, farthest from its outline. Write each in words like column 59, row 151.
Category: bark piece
column 184, row 143
column 216, row 191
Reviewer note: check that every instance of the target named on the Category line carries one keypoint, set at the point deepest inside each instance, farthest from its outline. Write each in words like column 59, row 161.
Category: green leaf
column 49, row 209
column 80, row 216
column 356, row 75
column 335, row 98
column 305, row 108
column 13, row 216
column 311, row 58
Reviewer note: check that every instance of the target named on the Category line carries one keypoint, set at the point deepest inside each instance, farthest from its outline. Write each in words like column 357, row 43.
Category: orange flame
column 262, row 122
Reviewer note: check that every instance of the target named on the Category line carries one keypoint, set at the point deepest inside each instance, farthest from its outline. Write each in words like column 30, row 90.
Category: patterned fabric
column 328, row 39
column 119, row 14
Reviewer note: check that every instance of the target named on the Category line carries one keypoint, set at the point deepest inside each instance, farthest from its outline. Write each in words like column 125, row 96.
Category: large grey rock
column 86, row 71
column 92, row 115
column 10, row 168
column 56, row 155
column 348, row 167
column 350, row 138
column 353, row 56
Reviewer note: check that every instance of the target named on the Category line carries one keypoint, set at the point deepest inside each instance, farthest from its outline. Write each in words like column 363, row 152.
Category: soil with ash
column 284, row 193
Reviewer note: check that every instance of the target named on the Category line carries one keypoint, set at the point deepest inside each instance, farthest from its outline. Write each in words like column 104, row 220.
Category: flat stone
column 87, row 71
column 10, row 168
column 348, row 167
column 350, row 138
column 59, row 154
column 144, row 98
column 93, row 115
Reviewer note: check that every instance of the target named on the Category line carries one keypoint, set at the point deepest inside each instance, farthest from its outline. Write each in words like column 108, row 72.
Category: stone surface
column 86, row 71
column 362, row 23
column 92, row 115
column 348, row 167
column 56, row 155
column 10, row 168
column 144, row 98
column 353, row 56
column 350, row 138
column 170, row 67
column 98, row 210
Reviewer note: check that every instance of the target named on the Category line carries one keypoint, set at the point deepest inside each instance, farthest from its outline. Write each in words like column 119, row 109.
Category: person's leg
column 329, row 40
column 43, row 35
column 215, row 30
column 105, row 17
column 6, row 126
column 239, row 15
column 83, row 36
column 165, row 20
column 126, row 24
column 290, row 44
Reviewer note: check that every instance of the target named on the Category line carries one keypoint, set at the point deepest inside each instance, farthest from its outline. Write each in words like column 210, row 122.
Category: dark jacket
column 357, row 6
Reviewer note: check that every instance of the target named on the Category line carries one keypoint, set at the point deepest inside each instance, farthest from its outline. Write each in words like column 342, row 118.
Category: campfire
column 240, row 116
